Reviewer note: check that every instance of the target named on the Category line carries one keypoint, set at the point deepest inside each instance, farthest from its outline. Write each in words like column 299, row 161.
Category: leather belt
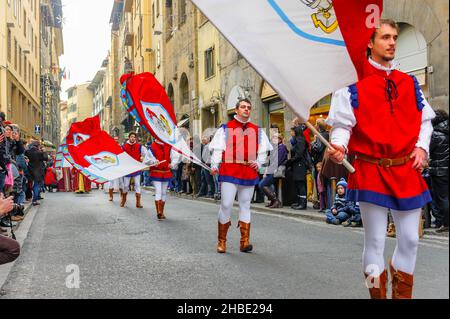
column 159, row 171
column 384, row 162
column 238, row 162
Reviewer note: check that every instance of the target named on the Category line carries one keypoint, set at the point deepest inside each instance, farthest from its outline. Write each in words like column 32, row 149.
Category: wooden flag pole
column 346, row 163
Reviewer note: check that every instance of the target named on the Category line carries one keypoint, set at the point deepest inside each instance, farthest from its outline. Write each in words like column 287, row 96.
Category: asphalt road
column 82, row 246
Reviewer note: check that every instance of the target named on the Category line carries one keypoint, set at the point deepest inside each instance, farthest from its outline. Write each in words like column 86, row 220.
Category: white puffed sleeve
column 150, row 158
column 175, row 159
column 217, row 147
column 341, row 117
column 426, row 129
column 264, row 147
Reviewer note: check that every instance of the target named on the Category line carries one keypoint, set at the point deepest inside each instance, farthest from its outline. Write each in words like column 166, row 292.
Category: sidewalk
column 21, row 234
column 309, row 214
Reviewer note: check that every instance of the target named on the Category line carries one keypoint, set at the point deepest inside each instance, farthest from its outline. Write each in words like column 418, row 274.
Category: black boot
column 275, row 203
column 302, row 205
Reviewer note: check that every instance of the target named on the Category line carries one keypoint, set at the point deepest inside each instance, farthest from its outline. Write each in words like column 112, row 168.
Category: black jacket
column 318, row 148
column 439, row 149
column 35, row 166
column 297, row 162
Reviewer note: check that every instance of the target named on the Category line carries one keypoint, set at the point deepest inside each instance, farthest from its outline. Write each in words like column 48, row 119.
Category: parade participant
column 385, row 121
column 136, row 151
column 116, row 184
column 80, row 183
column 240, row 148
column 162, row 159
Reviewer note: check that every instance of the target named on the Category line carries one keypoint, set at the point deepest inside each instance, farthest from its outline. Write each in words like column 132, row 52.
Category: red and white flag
column 147, row 101
column 95, row 153
column 305, row 49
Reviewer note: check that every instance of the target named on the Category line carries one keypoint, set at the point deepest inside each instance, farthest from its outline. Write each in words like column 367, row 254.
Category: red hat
column 7, row 123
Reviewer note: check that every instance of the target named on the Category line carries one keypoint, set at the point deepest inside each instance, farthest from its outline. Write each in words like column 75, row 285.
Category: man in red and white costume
column 240, row 148
column 138, row 152
column 117, row 184
column 163, row 159
column 385, row 121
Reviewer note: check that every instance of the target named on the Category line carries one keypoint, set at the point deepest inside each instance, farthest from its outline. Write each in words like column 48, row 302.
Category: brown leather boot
column 162, row 204
column 223, row 230
column 111, row 195
column 124, row 199
column 160, row 210
column 381, row 291
column 274, row 201
column 246, row 247
column 402, row 284
column 157, row 208
column 138, row 201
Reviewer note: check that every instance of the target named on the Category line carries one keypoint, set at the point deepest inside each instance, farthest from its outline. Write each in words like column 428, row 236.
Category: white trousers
column 228, row 192
column 116, row 184
column 161, row 190
column 137, row 184
column 407, row 232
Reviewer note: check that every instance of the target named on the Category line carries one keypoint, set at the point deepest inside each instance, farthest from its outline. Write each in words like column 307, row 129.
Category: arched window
column 171, row 95
column 182, row 12
column 184, row 89
column 411, row 49
column 412, row 54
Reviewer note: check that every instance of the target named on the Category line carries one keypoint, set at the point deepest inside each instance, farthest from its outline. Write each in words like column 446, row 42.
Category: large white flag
column 305, row 49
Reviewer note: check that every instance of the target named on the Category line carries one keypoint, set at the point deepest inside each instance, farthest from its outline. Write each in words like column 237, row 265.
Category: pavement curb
column 309, row 214
column 21, row 232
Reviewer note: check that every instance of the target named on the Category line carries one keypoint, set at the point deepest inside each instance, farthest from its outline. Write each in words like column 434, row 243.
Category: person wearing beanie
column 339, row 211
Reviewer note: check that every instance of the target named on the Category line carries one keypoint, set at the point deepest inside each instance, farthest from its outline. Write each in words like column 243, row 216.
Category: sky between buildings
column 87, row 36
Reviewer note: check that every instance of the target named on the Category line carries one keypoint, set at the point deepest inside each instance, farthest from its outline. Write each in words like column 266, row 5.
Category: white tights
column 407, row 230
column 161, row 190
column 245, row 194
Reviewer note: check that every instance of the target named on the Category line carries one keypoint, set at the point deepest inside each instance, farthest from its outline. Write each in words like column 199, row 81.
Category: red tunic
column 135, row 151
column 386, row 130
column 162, row 172
column 242, row 143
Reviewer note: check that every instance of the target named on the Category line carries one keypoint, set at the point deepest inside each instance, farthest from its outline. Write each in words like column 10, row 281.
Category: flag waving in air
column 305, row 49
column 96, row 154
column 146, row 100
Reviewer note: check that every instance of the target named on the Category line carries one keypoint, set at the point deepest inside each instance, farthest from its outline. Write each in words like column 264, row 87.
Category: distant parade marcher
column 136, row 151
column 240, row 149
column 117, row 184
column 80, row 183
column 163, row 159
column 385, row 121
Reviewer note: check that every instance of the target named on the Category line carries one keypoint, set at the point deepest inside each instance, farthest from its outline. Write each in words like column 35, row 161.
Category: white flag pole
column 346, row 163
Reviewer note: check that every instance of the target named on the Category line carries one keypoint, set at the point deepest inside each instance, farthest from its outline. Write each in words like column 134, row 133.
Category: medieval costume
column 235, row 146
column 136, row 151
column 161, row 174
column 80, row 183
column 381, row 120
column 115, row 185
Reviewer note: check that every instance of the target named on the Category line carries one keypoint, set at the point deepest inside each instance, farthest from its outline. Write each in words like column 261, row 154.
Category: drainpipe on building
column 197, row 121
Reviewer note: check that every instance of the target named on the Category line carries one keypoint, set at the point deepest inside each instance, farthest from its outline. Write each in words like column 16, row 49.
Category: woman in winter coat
column 439, row 158
column 298, row 164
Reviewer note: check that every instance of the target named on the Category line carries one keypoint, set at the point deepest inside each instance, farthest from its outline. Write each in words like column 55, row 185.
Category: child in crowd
column 343, row 210
column 321, row 190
